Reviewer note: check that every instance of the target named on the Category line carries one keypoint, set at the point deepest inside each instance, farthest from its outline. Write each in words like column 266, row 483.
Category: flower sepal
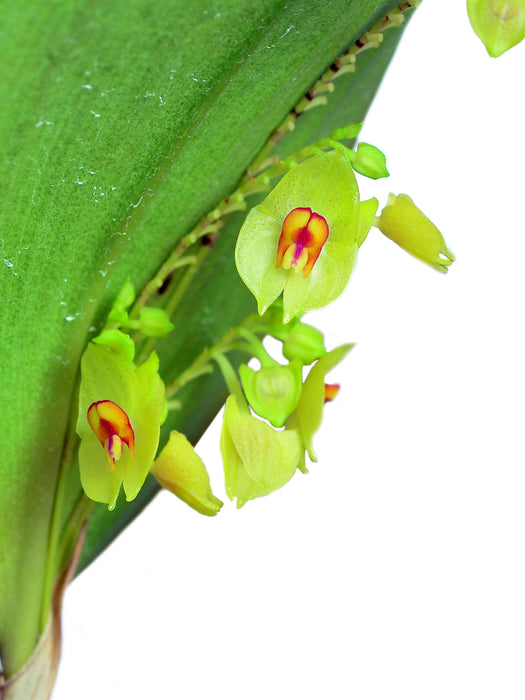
column 308, row 415
column 500, row 24
column 257, row 459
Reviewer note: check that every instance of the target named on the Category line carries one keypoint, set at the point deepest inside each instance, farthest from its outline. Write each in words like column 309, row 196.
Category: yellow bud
column 179, row 469
column 406, row 225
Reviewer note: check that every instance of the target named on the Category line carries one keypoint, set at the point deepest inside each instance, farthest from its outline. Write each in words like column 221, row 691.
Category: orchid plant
column 239, row 195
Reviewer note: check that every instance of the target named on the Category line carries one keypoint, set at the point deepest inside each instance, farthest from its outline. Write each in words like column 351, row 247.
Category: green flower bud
column 154, row 322
column 118, row 317
column 125, row 297
column 500, row 24
column 370, row 162
column 257, row 459
column 406, row 225
column 179, row 469
column 272, row 391
column 304, row 343
column 117, row 341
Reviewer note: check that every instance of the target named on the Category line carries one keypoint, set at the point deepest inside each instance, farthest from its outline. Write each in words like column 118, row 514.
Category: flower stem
column 56, row 551
column 256, row 347
column 80, row 514
column 186, row 280
column 201, row 365
column 230, row 377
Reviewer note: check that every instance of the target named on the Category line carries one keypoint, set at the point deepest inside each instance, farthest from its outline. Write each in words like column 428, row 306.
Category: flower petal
column 255, row 257
column 309, row 412
column 99, row 482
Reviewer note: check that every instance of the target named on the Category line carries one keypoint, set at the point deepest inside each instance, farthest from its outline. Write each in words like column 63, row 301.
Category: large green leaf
column 121, row 124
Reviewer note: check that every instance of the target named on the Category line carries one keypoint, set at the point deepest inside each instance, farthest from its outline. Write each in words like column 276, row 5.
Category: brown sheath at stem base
column 36, row 678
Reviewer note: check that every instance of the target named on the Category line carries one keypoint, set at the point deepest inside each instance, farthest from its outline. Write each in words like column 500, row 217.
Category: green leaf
column 122, row 124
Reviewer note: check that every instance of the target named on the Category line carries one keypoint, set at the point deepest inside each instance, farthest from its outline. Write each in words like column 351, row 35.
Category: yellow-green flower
column 302, row 240
column 121, row 408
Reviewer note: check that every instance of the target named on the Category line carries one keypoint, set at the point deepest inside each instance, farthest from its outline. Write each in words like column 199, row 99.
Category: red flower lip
column 302, row 238
column 112, row 427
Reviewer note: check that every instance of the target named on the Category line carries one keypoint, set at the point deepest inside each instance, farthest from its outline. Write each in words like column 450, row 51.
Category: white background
column 395, row 568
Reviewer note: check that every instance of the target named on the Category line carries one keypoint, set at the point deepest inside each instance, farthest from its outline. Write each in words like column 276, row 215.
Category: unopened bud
column 125, row 297
column 304, row 343
column 406, row 225
column 370, row 162
column 154, row 323
column 273, row 392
